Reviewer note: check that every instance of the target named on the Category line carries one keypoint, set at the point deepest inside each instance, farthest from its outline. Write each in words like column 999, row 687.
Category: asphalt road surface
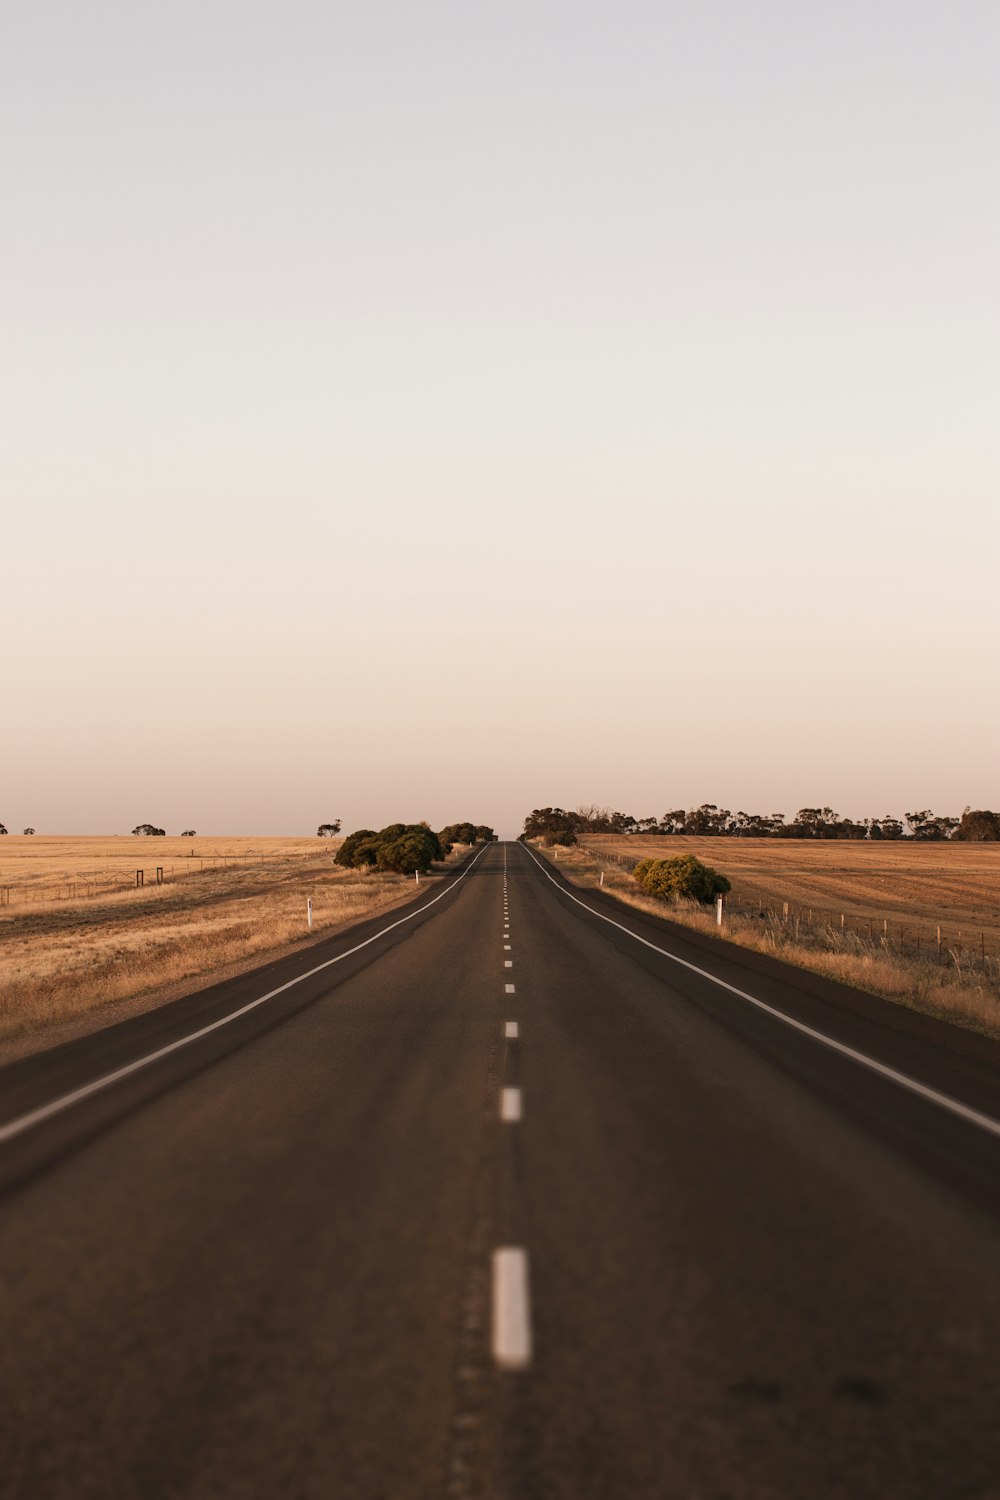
column 508, row 1203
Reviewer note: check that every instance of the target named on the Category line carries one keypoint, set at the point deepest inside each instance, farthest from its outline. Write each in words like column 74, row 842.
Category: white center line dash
column 510, row 1105
column 511, row 1308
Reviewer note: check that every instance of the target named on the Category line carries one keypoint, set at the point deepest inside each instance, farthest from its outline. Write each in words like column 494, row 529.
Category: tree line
column 556, row 825
column 406, row 848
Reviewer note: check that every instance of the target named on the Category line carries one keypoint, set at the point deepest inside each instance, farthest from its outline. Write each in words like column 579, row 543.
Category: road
column 494, row 1197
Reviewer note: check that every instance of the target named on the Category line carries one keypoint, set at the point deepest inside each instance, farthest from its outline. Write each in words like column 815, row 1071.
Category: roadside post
column 718, row 911
column 309, row 912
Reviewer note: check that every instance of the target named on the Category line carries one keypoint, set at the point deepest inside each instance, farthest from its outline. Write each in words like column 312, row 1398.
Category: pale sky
column 441, row 410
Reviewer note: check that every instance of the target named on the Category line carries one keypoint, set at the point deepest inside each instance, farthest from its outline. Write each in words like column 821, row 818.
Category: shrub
column 353, row 852
column 683, row 875
column 415, row 849
column 401, row 847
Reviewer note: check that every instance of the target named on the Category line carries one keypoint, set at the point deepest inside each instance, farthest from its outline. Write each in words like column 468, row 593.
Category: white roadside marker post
column 718, row 911
column 309, row 913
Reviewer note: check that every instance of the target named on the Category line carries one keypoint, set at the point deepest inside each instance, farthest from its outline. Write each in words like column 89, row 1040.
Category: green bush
column 401, row 847
column 466, row 833
column 413, row 850
column 353, row 851
column 683, row 875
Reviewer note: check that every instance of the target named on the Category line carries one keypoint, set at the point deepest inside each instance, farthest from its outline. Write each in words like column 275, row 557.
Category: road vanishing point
column 513, row 1193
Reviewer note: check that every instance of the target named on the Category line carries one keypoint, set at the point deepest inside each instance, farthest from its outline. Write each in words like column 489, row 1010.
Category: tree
column 189, row 833
column 29, row 830
column 149, row 830
column 979, row 826
column 683, row 875
column 2, row 829
column 466, row 833
column 414, row 849
column 401, row 848
column 553, row 825
column 884, row 828
column 707, row 819
column 353, row 853
column 673, row 822
column 328, row 830
column 822, row 823
column 927, row 825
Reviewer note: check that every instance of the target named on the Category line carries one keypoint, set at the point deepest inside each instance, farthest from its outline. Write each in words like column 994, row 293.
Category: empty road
column 513, row 1194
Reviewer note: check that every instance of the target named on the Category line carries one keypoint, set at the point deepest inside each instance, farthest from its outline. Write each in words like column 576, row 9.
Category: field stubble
column 76, row 960
column 913, row 889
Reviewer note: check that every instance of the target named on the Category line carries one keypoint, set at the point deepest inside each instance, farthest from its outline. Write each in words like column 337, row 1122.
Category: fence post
column 159, row 874
column 140, row 878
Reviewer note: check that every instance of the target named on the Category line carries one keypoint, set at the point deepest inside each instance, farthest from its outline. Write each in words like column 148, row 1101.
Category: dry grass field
column 81, row 946
column 865, row 914
column 910, row 885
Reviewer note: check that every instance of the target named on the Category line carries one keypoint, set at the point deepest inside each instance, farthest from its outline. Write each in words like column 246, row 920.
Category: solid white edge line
column 511, row 1308
column 510, row 1105
column 510, row 1030
column 22, row 1123
column 943, row 1101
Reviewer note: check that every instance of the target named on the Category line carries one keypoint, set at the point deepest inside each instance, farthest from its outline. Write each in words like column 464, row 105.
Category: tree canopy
column 401, row 847
column 979, row 826
column 466, row 833
column 328, row 830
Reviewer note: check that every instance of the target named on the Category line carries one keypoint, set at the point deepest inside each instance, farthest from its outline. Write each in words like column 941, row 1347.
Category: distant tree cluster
column 189, row 833
column 328, row 830
column 555, row 825
column 466, row 833
column 681, row 876
column 406, row 847
column 979, row 826
column 401, row 847
column 2, row 829
column 149, row 830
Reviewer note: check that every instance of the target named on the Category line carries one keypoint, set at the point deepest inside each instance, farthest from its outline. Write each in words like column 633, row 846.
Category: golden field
column 914, row 888
column 910, row 884
column 80, row 946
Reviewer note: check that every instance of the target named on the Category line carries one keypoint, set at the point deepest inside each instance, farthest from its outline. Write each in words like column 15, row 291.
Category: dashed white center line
column 508, row 963
column 510, row 1030
column 511, row 1308
column 510, row 1105
column 506, row 947
column 509, row 989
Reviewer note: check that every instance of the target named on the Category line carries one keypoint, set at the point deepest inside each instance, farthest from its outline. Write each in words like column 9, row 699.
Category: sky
column 441, row 411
